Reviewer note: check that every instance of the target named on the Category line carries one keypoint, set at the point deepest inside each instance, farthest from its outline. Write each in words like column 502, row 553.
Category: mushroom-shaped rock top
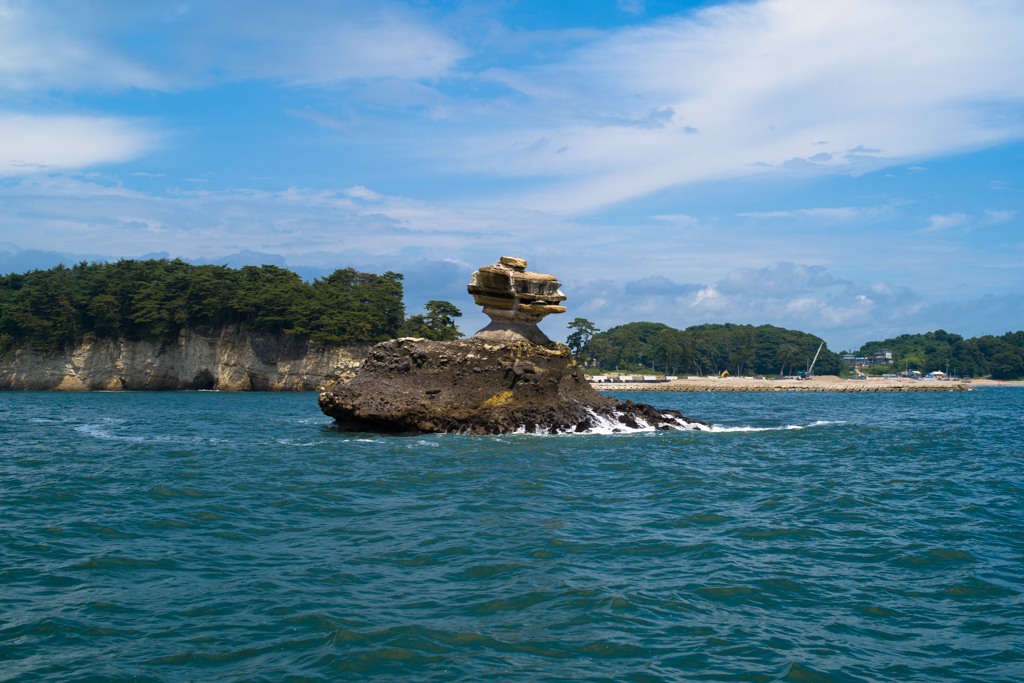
column 515, row 300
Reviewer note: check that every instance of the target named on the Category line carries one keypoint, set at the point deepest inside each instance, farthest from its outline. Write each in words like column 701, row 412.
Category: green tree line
column 703, row 349
column 998, row 357
column 56, row 309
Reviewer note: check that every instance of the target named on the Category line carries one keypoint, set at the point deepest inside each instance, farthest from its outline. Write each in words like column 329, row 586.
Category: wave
column 607, row 425
column 113, row 429
column 604, row 424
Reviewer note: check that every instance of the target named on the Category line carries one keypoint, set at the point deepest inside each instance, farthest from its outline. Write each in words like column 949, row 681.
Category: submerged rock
column 479, row 386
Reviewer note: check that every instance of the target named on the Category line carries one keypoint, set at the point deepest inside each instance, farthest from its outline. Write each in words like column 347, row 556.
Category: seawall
column 227, row 359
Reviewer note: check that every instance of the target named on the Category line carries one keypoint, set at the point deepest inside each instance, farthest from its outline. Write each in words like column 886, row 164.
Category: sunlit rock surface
column 509, row 377
column 515, row 300
column 222, row 359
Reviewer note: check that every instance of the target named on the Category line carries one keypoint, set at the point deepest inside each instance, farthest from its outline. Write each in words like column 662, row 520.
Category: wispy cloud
column 680, row 219
column 151, row 46
column 998, row 217
column 938, row 222
column 845, row 213
column 630, row 6
column 759, row 83
column 100, row 215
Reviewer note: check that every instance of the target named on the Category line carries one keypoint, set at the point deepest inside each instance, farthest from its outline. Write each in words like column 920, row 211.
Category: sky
column 853, row 169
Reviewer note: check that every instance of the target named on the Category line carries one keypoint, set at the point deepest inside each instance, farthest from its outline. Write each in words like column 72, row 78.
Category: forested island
column 54, row 311
column 1000, row 357
column 701, row 349
column 768, row 350
column 153, row 300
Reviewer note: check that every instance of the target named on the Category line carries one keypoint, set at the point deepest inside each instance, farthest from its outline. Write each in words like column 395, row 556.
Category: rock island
column 508, row 377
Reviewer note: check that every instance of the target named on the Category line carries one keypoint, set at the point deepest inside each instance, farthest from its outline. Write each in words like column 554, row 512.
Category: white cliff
column 227, row 359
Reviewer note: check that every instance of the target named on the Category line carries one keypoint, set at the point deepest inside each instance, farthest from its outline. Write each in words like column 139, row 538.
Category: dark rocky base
column 477, row 386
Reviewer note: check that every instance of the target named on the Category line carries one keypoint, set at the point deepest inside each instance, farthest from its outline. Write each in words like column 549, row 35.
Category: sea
column 203, row 536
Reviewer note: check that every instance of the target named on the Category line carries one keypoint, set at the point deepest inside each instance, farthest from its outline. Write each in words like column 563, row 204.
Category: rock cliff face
column 226, row 360
column 482, row 386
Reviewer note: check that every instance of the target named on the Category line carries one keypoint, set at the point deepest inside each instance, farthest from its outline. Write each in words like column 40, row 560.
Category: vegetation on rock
column 437, row 324
column 55, row 309
column 582, row 332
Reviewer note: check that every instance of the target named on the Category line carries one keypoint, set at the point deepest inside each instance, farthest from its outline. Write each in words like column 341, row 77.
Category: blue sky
column 852, row 169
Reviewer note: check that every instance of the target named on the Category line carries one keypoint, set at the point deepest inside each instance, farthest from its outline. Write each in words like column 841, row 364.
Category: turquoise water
column 205, row 536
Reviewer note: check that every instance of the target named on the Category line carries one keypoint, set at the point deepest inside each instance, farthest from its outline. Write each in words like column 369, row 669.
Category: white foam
column 292, row 442
column 94, row 431
column 113, row 429
column 608, row 425
column 722, row 429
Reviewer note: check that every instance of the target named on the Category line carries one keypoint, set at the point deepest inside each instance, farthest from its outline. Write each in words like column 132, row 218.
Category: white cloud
column 360, row 192
column 631, row 6
column 679, row 219
column 100, row 216
column 33, row 143
column 166, row 45
column 995, row 217
column 939, row 222
column 845, row 213
column 764, row 83
column 804, row 297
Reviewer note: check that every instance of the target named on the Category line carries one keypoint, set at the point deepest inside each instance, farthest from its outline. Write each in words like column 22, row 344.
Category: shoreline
column 823, row 384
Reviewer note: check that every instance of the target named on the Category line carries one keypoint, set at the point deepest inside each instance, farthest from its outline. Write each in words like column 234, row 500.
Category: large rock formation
column 509, row 377
column 479, row 386
column 224, row 359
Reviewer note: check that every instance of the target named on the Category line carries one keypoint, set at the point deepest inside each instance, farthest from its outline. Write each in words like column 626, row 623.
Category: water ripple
column 214, row 536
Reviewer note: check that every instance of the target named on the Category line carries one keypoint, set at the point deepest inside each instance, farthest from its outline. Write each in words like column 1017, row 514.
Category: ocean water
column 225, row 537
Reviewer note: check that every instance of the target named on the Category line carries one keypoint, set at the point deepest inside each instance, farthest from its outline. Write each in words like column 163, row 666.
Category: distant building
column 879, row 357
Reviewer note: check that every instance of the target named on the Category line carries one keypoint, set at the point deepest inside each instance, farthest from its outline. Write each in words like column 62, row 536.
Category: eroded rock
column 482, row 386
column 509, row 377
column 515, row 300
